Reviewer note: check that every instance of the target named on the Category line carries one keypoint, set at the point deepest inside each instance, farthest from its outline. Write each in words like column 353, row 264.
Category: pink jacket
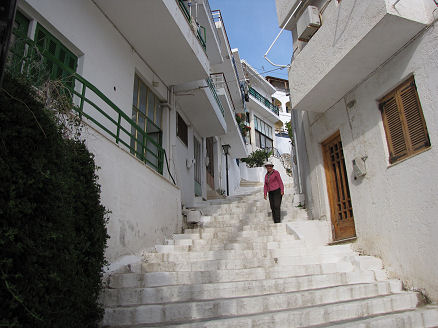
column 274, row 182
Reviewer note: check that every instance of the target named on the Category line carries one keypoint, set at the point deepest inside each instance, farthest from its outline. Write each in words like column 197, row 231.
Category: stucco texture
column 395, row 206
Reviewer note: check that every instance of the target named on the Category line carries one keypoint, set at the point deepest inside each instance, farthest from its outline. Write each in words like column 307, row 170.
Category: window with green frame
column 18, row 42
column 263, row 133
column 60, row 62
column 146, row 113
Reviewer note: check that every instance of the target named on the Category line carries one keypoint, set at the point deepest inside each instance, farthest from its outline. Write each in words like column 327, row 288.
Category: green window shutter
column 21, row 24
column 18, row 43
column 60, row 62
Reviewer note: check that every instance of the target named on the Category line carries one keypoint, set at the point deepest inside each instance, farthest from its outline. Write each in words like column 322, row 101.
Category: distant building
column 262, row 114
column 281, row 100
column 364, row 93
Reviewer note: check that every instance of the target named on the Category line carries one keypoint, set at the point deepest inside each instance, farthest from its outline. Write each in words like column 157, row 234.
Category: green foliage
column 289, row 129
column 257, row 158
column 53, row 227
column 240, row 119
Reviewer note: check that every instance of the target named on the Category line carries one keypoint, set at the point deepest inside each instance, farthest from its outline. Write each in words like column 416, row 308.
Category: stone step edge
column 379, row 275
column 371, row 318
column 390, row 282
column 318, row 306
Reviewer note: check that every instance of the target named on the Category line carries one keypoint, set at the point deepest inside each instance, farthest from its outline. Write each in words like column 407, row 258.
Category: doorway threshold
column 343, row 241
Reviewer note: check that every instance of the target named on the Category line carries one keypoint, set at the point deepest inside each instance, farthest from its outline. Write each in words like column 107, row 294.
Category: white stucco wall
column 255, row 174
column 283, row 144
column 394, row 206
column 233, row 175
column 133, row 192
column 135, row 195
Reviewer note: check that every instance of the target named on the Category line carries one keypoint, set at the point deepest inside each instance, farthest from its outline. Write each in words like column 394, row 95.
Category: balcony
column 204, row 19
column 233, row 135
column 164, row 35
column 200, row 102
column 263, row 101
column 92, row 106
column 228, row 66
column 356, row 37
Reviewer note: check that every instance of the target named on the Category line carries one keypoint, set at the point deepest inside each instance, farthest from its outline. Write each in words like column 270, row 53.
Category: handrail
column 263, row 100
column 213, row 91
column 81, row 91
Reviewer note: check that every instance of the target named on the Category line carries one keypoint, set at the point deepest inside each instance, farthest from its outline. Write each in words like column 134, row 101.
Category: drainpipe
column 298, row 187
column 170, row 104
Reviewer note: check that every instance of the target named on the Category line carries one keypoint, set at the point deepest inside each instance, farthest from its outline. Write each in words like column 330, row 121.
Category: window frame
column 70, row 59
column 399, row 113
column 152, row 130
column 182, row 132
column 261, row 133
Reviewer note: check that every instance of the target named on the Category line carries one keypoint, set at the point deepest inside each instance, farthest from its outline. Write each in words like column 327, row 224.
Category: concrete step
column 303, row 309
column 422, row 317
column 208, row 255
column 180, row 263
column 179, row 293
column 324, row 316
column 155, row 279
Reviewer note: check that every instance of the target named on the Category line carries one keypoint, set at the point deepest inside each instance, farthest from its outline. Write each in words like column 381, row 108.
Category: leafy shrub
column 257, row 158
column 53, row 227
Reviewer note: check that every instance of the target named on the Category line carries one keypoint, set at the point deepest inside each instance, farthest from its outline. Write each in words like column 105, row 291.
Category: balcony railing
column 201, row 34
column 264, row 101
column 217, row 17
column 220, row 81
column 213, row 91
column 32, row 63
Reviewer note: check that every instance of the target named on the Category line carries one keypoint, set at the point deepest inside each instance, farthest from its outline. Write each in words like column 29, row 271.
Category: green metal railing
column 213, row 91
column 201, row 36
column 263, row 100
column 88, row 101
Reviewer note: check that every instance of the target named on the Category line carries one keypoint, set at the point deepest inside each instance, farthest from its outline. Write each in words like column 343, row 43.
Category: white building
column 364, row 95
column 262, row 115
column 142, row 73
column 281, row 100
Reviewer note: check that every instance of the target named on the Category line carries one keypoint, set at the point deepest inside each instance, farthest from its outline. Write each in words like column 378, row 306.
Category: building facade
column 262, row 114
column 281, row 99
column 143, row 78
column 364, row 97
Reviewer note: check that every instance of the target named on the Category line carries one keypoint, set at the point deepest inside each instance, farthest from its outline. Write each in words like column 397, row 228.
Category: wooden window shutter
column 405, row 127
column 394, row 129
column 418, row 137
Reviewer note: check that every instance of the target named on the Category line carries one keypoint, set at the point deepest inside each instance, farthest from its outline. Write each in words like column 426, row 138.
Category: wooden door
column 210, row 166
column 338, row 191
column 197, row 166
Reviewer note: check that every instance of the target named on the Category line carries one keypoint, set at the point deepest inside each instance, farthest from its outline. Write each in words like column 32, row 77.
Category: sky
column 252, row 26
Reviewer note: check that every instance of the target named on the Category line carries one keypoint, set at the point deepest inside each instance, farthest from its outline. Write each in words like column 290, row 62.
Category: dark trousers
column 275, row 202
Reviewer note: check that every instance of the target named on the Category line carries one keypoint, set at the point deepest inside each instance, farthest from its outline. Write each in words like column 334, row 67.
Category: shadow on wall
column 336, row 36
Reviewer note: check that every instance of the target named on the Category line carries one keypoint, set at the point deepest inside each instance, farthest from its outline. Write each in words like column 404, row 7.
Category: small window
column 181, row 129
column 403, row 120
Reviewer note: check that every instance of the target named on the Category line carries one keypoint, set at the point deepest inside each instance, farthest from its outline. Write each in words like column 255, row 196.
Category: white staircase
column 241, row 270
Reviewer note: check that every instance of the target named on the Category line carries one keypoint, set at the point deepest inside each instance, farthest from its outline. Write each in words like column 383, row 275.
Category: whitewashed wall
column 395, row 206
column 133, row 192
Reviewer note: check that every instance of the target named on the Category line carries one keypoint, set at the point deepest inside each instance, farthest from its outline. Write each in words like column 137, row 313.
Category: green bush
column 53, row 227
column 257, row 158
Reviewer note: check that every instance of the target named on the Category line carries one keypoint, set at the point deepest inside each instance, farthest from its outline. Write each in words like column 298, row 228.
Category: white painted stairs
column 241, row 270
